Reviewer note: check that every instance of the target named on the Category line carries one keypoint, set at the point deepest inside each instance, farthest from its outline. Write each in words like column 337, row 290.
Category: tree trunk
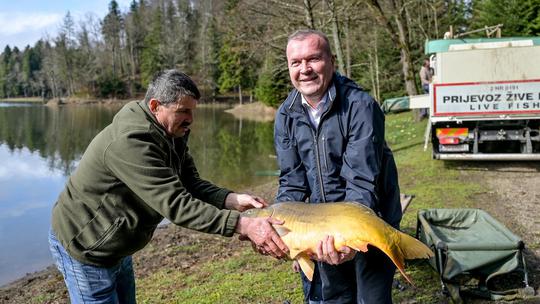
column 308, row 13
column 399, row 38
column 240, row 93
column 335, row 35
column 347, row 49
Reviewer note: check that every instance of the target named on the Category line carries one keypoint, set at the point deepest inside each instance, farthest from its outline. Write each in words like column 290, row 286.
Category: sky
column 23, row 22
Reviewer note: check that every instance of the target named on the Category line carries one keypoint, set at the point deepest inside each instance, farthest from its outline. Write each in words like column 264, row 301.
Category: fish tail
column 410, row 248
column 394, row 253
column 413, row 248
column 406, row 276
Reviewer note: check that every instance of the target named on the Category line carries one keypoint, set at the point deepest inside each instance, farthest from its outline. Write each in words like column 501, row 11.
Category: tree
column 4, row 70
column 392, row 20
column 64, row 55
column 112, row 27
column 273, row 84
column 531, row 17
column 136, row 29
column 493, row 12
column 232, row 70
column 152, row 58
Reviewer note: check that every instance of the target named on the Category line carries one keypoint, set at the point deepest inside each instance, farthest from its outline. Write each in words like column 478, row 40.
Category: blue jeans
column 92, row 284
column 367, row 279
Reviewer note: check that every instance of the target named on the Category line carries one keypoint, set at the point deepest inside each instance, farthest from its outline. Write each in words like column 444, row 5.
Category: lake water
column 40, row 146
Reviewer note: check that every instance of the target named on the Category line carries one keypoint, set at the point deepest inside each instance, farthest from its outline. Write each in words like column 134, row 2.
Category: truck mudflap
column 489, row 156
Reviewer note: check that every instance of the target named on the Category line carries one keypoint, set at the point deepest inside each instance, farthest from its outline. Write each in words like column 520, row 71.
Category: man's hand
column 327, row 253
column 262, row 235
column 243, row 202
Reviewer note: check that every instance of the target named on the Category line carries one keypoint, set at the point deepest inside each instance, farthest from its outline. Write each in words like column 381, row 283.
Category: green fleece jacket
column 131, row 176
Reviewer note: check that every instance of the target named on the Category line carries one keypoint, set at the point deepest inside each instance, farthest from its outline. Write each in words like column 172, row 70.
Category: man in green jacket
column 134, row 173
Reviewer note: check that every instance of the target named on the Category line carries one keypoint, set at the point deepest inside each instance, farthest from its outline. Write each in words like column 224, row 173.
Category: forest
column 237, row 47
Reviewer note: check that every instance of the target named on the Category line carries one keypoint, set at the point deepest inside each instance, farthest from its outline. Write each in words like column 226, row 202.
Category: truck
column 484, row 99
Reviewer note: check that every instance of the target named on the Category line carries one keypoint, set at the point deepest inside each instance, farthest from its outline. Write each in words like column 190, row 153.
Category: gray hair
column 170, row 86
column 303, row 34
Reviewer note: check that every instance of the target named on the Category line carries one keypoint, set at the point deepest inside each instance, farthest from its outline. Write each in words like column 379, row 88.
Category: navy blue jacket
column 345, row 159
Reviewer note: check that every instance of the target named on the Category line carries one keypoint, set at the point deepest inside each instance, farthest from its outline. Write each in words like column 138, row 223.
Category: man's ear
column 153, row 105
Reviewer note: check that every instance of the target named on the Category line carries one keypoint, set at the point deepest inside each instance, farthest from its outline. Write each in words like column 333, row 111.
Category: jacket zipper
column 324, row 154
column 316, row 139
column 318, row 158
column 181, row 160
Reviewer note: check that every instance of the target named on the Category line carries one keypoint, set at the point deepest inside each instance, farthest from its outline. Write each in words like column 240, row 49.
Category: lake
column 40, row 146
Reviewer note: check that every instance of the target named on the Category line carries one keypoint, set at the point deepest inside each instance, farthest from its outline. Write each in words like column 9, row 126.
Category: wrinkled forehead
column 185, row 102
column 305, row 45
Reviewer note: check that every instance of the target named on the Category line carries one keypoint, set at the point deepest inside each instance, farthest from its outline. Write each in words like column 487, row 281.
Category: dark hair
column 170, row 86
column 303, row 34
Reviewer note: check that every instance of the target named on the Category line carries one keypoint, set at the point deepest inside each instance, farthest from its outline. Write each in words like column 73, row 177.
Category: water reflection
column 28, row 188
column 40, row 146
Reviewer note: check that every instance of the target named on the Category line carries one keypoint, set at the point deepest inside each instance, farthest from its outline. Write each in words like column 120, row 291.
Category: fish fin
column 307, row 265
column 293, row 253
column 358, row 245
column 413, row 248
column 281, row 230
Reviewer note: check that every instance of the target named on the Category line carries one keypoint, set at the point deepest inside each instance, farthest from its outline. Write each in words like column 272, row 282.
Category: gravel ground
column 512, row 196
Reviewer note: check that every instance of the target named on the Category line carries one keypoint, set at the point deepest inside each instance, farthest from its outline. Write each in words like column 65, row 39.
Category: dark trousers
column 367, row 280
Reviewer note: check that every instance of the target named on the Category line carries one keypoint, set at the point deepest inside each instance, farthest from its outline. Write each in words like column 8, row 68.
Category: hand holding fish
column 243, row 202
column 262, row 235
column 327, row 253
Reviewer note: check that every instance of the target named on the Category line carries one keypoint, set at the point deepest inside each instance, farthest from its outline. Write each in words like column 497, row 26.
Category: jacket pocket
column 107, row 234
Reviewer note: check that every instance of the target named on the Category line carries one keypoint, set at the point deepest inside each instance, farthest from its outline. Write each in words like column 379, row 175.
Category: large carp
column 351, row 224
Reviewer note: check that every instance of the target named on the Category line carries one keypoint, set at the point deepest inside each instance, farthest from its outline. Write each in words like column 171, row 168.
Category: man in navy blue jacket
column 329, row 139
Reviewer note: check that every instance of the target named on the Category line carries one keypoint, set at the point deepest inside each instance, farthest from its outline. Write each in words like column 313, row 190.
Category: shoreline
column 146, row 261
column 256, row 111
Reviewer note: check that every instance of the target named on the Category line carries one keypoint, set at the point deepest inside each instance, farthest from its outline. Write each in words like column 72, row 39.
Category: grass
column 243, row 278
column 247, row 278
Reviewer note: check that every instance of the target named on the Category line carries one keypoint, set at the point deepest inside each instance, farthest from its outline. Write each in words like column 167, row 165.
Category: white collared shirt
column 315, row 113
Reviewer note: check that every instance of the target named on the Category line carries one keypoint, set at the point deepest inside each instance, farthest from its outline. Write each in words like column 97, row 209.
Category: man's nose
column 305, row 67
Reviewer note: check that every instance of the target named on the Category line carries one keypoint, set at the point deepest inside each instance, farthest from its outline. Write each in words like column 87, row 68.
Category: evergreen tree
column 230, row 67
column 273, row 84
column 4, row 70
column 152, row 58
column 531, row 16
column 136, row 29
column 494, row 12
column 111, row 28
